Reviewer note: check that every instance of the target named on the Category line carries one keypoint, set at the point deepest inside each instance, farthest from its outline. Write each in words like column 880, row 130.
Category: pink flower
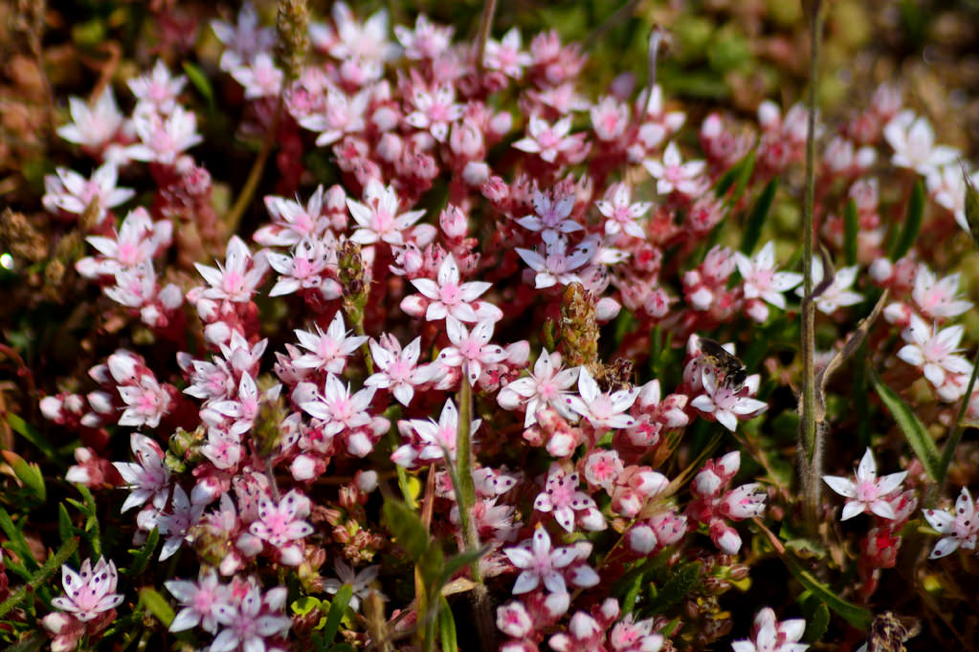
column 341, row 115
column 398, row 368
column 933, row 351
column 378, row 220
column 961, row 529
column 72, row 193
column 513, row 620
column 436, row 441
column 867, row 493
column 539, row 563
column 760, row 279
column 328, row 351
column 447, row 296
column 260, row 77
column 913, row 141
column 557, row 265
column 93, row 126
column 551, row 214
column 90, row 591
column 354, row 40
column 546, row 386
column 312, row 265
column 427, row 41
column 176, row 525
column 837, row 294
column 604, row 410
column 244, row 39
column 621, row 215
column 292, row 222
column 435, row 110
column 148, row 477
column 248, row 623
column 506, row 56
column 201, row 601
column 546, row 140
column 281, row 524
column 240, row 276
column 146, row 401
column 938, row 299
column 138, row 240
column 336, row 407
column 158, row 89
column 562, row 497
column 672, row 174
column 470, row 350
column 609, row 118
column 728, row 404
column 361, row 582
column 163, row 139
column 771, row 636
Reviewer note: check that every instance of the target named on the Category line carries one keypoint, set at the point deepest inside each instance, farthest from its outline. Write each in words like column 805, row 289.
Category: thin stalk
column 233, row 217
column 810, row 455
column 466, row 498
column 957, row 430
column 485, row 27
column 466, row 489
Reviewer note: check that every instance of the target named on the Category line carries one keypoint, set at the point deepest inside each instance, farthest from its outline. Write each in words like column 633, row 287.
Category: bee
column 729, row 369
column 889, row 632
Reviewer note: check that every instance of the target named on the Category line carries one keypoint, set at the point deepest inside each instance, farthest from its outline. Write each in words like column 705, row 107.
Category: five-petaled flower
column 866, row 492
column 90, row 591
column 961, row 528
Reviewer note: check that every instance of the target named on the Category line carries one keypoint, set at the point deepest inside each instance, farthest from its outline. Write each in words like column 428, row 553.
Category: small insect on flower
column 729, row 369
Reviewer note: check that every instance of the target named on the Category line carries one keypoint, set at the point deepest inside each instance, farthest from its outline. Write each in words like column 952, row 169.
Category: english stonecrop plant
column 473, row 376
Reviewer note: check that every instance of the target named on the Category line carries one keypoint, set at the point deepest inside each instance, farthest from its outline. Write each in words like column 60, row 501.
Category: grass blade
column 914, row 431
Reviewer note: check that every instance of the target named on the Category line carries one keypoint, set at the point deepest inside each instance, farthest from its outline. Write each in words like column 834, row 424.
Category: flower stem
column 956, row 435
column 810, row 444
column 485, row 27
column 466, row 489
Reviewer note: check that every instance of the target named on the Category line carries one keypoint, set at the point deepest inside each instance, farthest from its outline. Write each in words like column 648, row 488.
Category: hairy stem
column 810, row 438
column 485, row 27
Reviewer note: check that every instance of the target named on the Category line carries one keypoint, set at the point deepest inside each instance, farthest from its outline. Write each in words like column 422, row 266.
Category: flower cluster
column 495, row 314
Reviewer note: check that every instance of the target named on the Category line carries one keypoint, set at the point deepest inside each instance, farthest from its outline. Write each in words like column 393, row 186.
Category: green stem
column 957, row 430
column 810, row 458
column 485, row 27
column 466, row 489
column 233, row 218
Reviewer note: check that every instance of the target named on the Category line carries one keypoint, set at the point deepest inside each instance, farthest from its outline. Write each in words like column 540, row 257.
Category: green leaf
column 912, row 223
column 676, row 587
column 407, row 528
column 28, row 473
column 143, row 555
column 817, row 622
column 756, row 218
column 28, row 432
column 17, row 542
column 456, row 562
column 747, row 167
column 914, row 431
column 157, row 605
column 851, row 228
column 92, row 520
column 338, row 606
column 200, row 82
column 305, row 605
column 971, row 207
column 32, row 644
column 43, row 574
column 856, row 616
column 66, row 530
column 447, row 627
